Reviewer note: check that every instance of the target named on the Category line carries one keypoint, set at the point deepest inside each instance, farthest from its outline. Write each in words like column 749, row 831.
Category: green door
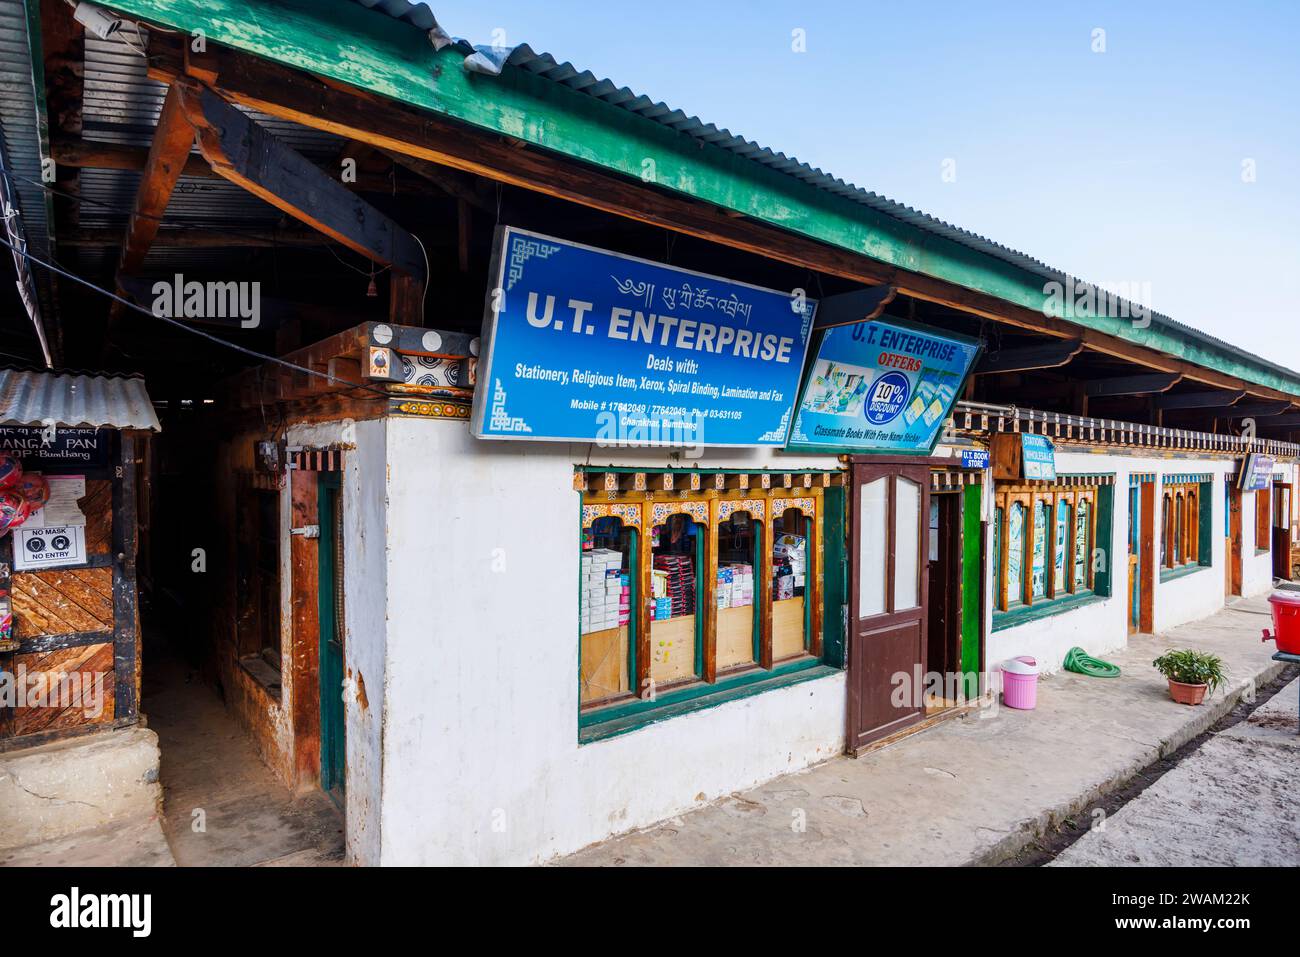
column 972, row 606
column 330, row 597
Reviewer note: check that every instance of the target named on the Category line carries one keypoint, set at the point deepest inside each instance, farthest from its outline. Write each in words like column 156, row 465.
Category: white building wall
column 1102, row 627
column 481, row 757
column 365, row 507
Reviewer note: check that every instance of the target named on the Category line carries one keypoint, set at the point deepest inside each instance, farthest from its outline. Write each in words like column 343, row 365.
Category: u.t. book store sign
column 586, row 345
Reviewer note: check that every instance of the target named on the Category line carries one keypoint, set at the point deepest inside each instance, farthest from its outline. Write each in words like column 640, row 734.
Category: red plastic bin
column 1286, row 621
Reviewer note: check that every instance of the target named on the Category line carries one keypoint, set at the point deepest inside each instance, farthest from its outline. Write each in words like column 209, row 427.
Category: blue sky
column 1118, row 166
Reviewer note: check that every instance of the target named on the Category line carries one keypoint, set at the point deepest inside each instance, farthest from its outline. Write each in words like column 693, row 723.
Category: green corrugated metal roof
column 568, row 113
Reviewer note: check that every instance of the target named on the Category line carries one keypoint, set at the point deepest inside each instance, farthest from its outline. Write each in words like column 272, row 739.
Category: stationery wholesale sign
column 587, row 345
column 881, row 387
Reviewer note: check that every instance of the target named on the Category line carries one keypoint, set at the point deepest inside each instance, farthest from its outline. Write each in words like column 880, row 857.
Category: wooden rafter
column 1134, row 384
column 1197, row 400
column 247, row 155
column 1048, row 355
column 171, row 146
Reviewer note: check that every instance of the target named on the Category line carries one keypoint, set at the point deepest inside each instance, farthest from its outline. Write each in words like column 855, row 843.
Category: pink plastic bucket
column 1020, row 691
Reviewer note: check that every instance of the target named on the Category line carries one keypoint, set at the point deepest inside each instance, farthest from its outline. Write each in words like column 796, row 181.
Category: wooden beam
column 1134, row 384
column 850, row 308
column 294, row 95
column 1288, row 421
column 247, row 155
column 89, row 154
column 1250, row 410
column 1197, row 400
column 172, row 141
column 1049, row 355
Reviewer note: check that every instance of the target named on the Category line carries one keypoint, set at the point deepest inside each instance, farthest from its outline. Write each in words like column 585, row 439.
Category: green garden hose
column 1079, row 660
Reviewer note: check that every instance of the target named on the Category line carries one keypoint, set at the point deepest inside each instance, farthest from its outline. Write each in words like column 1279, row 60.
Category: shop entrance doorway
column 1282, row 530
column 888, row 608
column 955, row 543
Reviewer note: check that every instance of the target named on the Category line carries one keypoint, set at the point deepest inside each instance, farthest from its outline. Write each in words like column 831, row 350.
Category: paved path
column 209, row 764
column 972, row 790
column 1230, row 803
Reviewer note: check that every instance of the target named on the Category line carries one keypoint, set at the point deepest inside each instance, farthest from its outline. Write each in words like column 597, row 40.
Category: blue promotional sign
column 1038, row 458
column 587, row 345
column 1256, row 472
column 881, row 386
column 974, row 458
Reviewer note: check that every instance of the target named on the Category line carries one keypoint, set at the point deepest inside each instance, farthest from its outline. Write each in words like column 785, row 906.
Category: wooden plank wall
column 78, row 626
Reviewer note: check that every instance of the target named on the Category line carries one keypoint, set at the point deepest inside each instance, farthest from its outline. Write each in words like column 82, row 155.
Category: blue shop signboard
column 1256, row 472
column 587, row 345
column 881, row 386
column 1039, row 457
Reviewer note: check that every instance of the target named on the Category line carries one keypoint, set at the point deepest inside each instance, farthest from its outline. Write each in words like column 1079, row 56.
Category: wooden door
column 890, row 580
column 1134, row 559
column 333, row 750
column 1234, row 539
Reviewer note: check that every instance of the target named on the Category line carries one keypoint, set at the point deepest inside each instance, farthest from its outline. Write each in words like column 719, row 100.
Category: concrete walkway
column 221, row 805
column 973, row 790
column 1231, row 803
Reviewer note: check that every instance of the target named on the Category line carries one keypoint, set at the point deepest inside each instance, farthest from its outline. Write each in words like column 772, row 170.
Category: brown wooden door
column 890, row 580
column 1234, row 540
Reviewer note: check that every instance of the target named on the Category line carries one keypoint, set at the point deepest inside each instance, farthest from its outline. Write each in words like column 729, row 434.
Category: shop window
column 678, row 549
column 607, row 629
column 1263, row 520
column 790, row 534
column 1083, row 531
column 1040, row 549
column 740, row 540
column 1043, row 538
column 1015, row 556
column 688, row 593
column 1180, row 525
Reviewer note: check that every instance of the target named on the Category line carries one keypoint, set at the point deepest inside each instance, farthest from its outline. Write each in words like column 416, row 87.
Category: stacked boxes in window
column 602, row 589
column 681, row 583
column 742, row 585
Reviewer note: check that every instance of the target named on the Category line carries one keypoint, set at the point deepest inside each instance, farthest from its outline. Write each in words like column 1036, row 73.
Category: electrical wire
column 180, row 325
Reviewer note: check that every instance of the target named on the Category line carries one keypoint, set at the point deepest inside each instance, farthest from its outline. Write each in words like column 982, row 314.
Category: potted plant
column 1191, row 674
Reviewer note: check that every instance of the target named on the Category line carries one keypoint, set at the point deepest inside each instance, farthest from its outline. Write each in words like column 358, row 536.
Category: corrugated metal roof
column 584, row 81
column 47, row 398
column 122, row 106
column 19, row 119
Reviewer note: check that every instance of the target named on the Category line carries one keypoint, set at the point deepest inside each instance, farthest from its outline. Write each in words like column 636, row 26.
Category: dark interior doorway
column 944, row 618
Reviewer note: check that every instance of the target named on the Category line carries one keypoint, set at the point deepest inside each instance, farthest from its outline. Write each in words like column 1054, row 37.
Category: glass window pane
column 907, row 542
column 607, row 557
column 873, row 511
column 1082, row 545
column 1178, row 529
column 1016, row 554
column 789, row 584
column 738, row 540
column 1040, row 550
column 1061, row 546
column 675, row 546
